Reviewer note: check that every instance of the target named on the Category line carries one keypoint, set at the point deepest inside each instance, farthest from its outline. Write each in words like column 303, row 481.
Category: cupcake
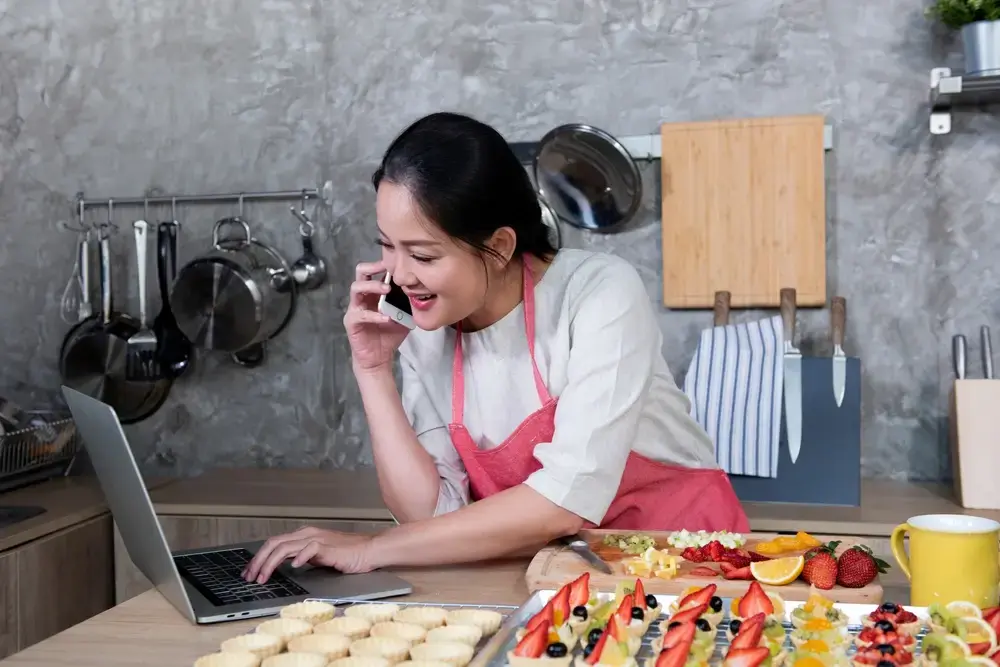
column 757, row 600
column 486, row 620
column 352, row 627
column 818, row 606
column 426, row 617
column 464, row 634
column 295, row 660
column 260, row 644
column 372, row 612
column 694, row 597
column 904, row 620
column 285, row 629
column 454, row 653
column 408, row 631
column 228, row 659
column 331, row 646
column 392, row 649
column 311, row 611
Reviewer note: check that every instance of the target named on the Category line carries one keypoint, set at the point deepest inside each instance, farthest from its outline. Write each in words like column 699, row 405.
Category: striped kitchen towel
column 734, row 384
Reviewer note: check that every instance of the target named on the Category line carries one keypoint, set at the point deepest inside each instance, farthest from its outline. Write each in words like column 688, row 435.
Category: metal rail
column 228, row 197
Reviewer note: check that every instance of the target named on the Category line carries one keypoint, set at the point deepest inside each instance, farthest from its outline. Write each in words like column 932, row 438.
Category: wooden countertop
column 354, row 495
column 148, row 626
column 67, row 502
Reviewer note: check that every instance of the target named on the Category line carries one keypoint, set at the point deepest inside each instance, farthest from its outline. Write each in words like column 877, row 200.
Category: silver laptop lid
column 127, row 497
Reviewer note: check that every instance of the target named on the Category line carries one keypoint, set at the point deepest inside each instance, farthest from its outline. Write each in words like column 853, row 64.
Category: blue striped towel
column 734, row 383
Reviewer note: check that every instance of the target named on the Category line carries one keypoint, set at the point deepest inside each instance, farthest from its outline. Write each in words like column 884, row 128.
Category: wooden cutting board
column 744, row 211
column 555, row 565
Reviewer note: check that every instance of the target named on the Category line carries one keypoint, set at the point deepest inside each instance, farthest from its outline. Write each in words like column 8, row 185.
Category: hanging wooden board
column 744, row 211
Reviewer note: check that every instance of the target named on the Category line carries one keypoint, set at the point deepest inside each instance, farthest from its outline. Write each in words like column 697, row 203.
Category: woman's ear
column 503, row 242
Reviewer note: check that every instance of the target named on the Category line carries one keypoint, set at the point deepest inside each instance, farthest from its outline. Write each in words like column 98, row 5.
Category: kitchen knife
column 838, row 322
column 579, row 546
column 986, row 346
column 958, row 350
column 793, row 375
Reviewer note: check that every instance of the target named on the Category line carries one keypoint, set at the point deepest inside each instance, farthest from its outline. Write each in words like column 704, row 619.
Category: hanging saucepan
column 235, row 298
column 587, row 178
column 93, row 354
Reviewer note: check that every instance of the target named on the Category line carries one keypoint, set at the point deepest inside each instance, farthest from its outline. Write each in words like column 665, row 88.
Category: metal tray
column 494, row 653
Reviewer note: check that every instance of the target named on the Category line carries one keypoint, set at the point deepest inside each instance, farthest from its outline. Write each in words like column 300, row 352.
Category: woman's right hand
column 374, row 337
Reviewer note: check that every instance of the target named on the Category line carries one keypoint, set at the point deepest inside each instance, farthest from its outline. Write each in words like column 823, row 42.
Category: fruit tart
column 704, row 632
column 539, row 648
column 977, row 634
column 876, row 654
column 759, row 631
column 745, row 657
column 694, row 596
column 939, row 615
column 683, row 633
column 800, row 658
column 679, row 650
column 635, row 614
column 818, row 606
column 940, row 648
column 650, row 606
column 552, row 618
column 756, row 600
column 884, row 632
column 581, row 602
column 822, row 630
column 904, row 620
column 606, row 652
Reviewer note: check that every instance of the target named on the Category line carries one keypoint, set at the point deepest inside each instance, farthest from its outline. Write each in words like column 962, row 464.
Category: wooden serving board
column 744, row 211
column 555, row 565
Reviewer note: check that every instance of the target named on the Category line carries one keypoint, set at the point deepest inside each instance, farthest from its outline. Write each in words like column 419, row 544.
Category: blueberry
column 638, row 613
column 715, row 604
column 673, row 625
column 556, row 650
column 703, row 625
column 580, row 611
column 889, row 607
column 886, row 649
column 885, row 663
column 593, row 636
column 734, row 626
column 884, row 625
column 588, row 649
column 651, row 601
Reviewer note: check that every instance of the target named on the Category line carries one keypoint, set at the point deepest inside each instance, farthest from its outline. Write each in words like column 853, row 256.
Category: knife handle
column 958, row 350
column 788, row 313
column 838, row 320
column 721, row 309
column 987, row 351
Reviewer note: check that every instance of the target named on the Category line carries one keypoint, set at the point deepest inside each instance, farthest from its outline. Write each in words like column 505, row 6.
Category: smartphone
column 396, row 304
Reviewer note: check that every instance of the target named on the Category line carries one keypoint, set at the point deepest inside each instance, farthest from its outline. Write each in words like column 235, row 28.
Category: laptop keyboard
column 218, row 576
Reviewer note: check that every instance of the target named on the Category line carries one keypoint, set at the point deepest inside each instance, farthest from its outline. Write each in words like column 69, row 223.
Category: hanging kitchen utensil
column 237, row 296
column 309, row 270
column 587, row 177
column 75, row 305
column 175, row 350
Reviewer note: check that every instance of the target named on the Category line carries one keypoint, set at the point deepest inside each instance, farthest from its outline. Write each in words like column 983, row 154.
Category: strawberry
column 750, row 632
column 689, row 615
column 746, row 657
column 640, row 595
column 703, row 571
column 743, row 573
column 992, row 616
column 698, row 597
column 675, row 656
column 533, row 643
column 682, row 633
column 617, row 629
column 755, row 601
column 579, row 591
column 624, row 611
column 715, row 550
column 757, row 558
column 821, row 566
column 560, row 606
column 858, row 567
column 595, row 655
column 737, row 558
column 542, row 619
column 694, row 554
column 980, row 648
column 875, row 655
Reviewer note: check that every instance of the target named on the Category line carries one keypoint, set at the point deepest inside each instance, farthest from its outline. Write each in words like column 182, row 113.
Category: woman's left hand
column 345, row 552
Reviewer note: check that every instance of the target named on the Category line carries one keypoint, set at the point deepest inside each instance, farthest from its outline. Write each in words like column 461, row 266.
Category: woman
column 535, row 398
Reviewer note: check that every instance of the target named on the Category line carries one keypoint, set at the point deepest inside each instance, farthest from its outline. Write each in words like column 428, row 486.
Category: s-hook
column 309, row 270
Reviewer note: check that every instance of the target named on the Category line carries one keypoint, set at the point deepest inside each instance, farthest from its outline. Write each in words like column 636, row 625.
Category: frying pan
column 93, row 353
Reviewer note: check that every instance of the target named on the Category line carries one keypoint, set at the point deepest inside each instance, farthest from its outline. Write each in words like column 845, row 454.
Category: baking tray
column 494, row 653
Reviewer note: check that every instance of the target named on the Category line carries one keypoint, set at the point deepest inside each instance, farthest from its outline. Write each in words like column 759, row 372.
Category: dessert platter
column 669, row 563
column 349, row 633
column 575, row 626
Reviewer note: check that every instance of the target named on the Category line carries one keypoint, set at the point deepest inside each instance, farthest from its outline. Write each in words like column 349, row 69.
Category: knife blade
column 580, row 547
column 986, row 346
column 958, row 351
column 838, row 323
column 793, row 375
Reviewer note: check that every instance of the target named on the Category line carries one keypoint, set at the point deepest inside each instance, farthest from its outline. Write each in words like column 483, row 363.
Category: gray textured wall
column 116, row 97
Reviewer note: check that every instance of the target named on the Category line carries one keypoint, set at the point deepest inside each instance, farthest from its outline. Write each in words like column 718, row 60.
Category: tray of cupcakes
column 580, row 627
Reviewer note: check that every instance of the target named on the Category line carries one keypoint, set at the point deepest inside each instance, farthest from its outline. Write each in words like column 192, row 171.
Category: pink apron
column 651, row 496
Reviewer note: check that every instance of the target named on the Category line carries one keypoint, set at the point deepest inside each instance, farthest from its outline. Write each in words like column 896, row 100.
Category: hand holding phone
column 396, row 305
column 373, row 329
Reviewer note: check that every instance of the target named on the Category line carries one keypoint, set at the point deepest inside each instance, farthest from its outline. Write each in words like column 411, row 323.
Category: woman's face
column 446, row 282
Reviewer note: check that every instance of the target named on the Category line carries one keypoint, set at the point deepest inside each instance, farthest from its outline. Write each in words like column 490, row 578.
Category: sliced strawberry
column 617, row 629
column 595, row 655
column 737, row 558
column 726, row 567
column 698, row 597
column 679, row 634
column 980, row 648
column 674, row 656
column 992, row 616
column 579, row 591
column 873, row 655
column 533, row 643
column 624, row 611
column 689, row 615
column 702, row 571
column 750, row 632
column 757, row 558
column 640, row 595
column 543, row 619
column 560, row 606
column 755, row 601
column 743, row 573
column 715, row 550
column 694, row 554
column 746, row 657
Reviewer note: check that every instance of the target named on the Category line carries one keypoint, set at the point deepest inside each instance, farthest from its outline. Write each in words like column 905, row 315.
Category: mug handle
column 898, row 551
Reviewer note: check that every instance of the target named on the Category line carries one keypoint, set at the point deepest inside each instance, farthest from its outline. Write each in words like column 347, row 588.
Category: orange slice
column 778, row 571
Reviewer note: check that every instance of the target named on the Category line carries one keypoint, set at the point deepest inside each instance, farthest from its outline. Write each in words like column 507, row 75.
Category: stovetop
column 13, row 514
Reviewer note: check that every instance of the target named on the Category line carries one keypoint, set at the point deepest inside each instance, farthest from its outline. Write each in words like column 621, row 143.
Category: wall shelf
column 949, row 91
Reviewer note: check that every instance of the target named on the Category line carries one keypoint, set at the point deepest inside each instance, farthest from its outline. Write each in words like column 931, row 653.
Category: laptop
column 203, row 584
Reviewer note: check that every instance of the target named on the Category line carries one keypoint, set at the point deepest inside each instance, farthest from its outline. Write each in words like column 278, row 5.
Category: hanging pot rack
column 84, row 203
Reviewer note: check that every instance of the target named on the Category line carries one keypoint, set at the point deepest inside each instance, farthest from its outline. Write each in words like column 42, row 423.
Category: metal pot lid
column 216, row 306
column 587, row 177
column 551, row 220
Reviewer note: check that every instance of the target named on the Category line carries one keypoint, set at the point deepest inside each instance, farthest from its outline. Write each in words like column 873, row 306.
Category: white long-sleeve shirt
column 598, row 349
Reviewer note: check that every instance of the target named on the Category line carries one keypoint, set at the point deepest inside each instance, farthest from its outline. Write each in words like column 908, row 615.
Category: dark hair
column 465, row 178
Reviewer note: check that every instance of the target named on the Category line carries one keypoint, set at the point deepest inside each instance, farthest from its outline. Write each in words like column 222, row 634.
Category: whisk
column 75, row 304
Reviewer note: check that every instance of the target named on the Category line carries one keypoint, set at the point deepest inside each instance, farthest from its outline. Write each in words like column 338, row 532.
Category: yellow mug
column 952, row 557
